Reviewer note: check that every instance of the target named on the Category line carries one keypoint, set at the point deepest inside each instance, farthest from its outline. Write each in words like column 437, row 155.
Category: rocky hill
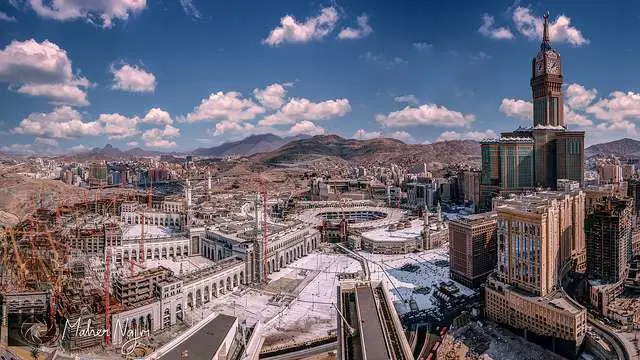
column 250, row 145
column 624, row 147
column 380, row 151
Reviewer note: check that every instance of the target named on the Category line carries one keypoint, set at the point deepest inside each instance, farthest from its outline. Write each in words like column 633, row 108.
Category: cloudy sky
column 181, row 74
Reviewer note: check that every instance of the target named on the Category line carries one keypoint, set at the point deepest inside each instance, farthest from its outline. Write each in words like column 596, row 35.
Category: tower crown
column 546, row 40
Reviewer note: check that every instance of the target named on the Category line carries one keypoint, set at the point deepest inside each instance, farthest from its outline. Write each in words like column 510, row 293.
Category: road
column 306, row 352
column 606, row 333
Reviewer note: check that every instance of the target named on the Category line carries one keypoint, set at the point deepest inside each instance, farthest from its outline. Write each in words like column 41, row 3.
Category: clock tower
column 546, row 84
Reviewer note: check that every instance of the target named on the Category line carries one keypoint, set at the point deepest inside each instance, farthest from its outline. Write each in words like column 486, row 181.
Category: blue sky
column 181, row 74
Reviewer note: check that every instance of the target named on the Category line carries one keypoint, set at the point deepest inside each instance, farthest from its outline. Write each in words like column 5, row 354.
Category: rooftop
column 204, row 343
column 401, row 234
column 150, row 231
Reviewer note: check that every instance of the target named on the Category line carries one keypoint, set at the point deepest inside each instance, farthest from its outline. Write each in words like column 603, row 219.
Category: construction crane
column 107, row 304
column 133, row 263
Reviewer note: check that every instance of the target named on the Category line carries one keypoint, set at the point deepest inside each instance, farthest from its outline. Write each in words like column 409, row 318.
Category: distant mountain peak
column 624, row 147
column 252, row 144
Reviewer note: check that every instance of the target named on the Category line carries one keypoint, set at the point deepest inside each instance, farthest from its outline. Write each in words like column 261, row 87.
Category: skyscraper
column 523, row 293
column 608, row 236
column 539, row 155
column 472, row 248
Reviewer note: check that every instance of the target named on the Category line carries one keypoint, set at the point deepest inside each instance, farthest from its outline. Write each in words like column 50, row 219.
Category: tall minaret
column 439, row 212
column 188, row 193
column 209, row 182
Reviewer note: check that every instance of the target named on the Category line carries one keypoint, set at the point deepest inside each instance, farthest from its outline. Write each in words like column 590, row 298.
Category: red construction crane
column 133, row 263
column 107, row 287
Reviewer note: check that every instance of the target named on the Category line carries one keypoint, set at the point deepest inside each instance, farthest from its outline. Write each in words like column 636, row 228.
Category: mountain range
column 379, row 151
column 248, row 146
column 273, row 149
column 624, row 148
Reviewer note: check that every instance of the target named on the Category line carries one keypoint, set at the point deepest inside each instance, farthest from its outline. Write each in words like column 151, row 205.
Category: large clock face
column 539, row 67
column 539, row 64
column 553, row 66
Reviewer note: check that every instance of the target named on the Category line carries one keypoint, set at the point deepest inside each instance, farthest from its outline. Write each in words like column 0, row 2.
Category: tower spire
column 545, row 34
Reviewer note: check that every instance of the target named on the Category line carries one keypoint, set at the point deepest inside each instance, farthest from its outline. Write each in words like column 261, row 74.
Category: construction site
column 140, row 274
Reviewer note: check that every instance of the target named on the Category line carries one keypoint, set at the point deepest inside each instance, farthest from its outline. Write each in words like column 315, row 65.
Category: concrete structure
column 539, row 155
column 222, row 337
column 608, row 231
column 473, row 248
column 610, row 173
column 471, row 185
column 368, row 326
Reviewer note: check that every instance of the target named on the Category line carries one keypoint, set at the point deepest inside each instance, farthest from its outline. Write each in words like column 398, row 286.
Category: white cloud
column 314, row 28
column 190, row 9
column 42, row 69
column 272, row 96
column 62, row 122
column 359, row 32
column 573, row 118
column 158, row 138
column 487, row 29
column 233, row 127
column 157, row 116
column 91, row 11
column 625, row 127
column 469, row 135
column 79, row 148
column 382, row 59
column 517, row 108
column 5, row 17
column 303, row 109
column 617, row 107
column 560, row 31
column 578, row 97
column 59, row 94
column 45, row 142
column 118, row 126
column 132, row 78
column 225, row 106
column 422, row 46
column 362, row 134
column 132, row 143
column 403, row 136
column 428, row 114
column 306, row 127
column 17, row 149
column 409, row 99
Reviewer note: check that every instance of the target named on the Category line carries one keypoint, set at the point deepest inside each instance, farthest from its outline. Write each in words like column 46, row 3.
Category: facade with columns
column 285, row 245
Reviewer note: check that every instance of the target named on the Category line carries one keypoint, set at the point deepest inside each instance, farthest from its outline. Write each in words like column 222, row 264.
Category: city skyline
column 357, row 70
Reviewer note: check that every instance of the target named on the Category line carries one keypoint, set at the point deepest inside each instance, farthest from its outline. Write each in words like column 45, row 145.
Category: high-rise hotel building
column 524, row 292
column 538, row 155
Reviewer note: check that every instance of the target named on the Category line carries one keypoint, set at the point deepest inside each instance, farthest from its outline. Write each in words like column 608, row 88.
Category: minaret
column 426, row 244
column 188, row 193
column 439, row 212
column 209, row 182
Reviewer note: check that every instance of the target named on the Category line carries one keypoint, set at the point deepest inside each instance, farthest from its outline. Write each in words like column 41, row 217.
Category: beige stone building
column 523, row 292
